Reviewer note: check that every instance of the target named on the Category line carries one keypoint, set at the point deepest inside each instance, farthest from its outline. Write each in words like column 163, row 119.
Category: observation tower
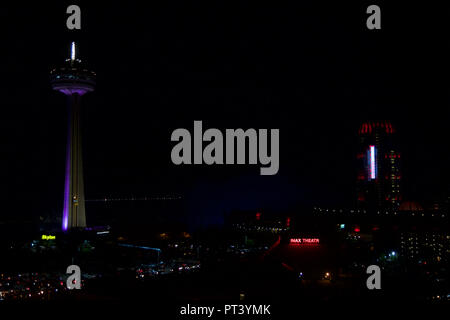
column 74, row 80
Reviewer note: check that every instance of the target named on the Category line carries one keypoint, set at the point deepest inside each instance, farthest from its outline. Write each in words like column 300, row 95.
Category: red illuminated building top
column 369, row 127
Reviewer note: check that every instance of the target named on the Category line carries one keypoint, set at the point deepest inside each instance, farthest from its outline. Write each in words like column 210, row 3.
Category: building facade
column 378, row 177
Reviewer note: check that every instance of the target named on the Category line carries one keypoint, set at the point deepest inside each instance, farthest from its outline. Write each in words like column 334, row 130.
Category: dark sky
column 309, row 68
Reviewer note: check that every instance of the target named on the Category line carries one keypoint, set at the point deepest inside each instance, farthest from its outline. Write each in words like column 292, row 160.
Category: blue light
column 342, row 226
column 138, row 247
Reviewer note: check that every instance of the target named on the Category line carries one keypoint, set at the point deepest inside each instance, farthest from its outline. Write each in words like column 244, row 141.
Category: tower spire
column 73, row 51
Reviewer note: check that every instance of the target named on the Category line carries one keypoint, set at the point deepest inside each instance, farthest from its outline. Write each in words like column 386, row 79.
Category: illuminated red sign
column 304, row 241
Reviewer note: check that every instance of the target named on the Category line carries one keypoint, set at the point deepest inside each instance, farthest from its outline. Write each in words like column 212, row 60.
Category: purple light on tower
column 74, row 80
column 65, row 220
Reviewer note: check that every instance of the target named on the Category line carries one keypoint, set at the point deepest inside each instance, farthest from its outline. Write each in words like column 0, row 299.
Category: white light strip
column 372, row 162
column 72, row 56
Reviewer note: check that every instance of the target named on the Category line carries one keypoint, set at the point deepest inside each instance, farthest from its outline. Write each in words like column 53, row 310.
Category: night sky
column 311, row 69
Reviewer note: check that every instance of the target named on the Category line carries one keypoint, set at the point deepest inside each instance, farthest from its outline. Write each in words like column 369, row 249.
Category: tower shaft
column 74, row 206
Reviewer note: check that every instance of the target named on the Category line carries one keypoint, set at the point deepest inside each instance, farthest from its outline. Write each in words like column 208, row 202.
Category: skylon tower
column 74, row 80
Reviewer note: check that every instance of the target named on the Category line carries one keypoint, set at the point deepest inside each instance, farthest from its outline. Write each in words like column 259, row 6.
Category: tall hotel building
column 378, row 179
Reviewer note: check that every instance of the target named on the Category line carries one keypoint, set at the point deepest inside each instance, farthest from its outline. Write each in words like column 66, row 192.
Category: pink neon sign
column 304, row 241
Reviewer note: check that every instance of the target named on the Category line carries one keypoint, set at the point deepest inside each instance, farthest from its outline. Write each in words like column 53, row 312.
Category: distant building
column 251, row 221
column 425, row 247
column 378, row 180
column 410, row 206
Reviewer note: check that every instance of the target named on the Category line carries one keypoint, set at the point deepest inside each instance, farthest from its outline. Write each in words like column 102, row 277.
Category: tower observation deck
column 74, row 80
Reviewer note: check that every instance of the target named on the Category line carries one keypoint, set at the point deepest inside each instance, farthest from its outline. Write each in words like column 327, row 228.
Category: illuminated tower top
column 72, row 77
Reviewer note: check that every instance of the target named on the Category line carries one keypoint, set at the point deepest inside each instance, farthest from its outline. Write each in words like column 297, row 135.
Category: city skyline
column 211, row 155
column 148, row 88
